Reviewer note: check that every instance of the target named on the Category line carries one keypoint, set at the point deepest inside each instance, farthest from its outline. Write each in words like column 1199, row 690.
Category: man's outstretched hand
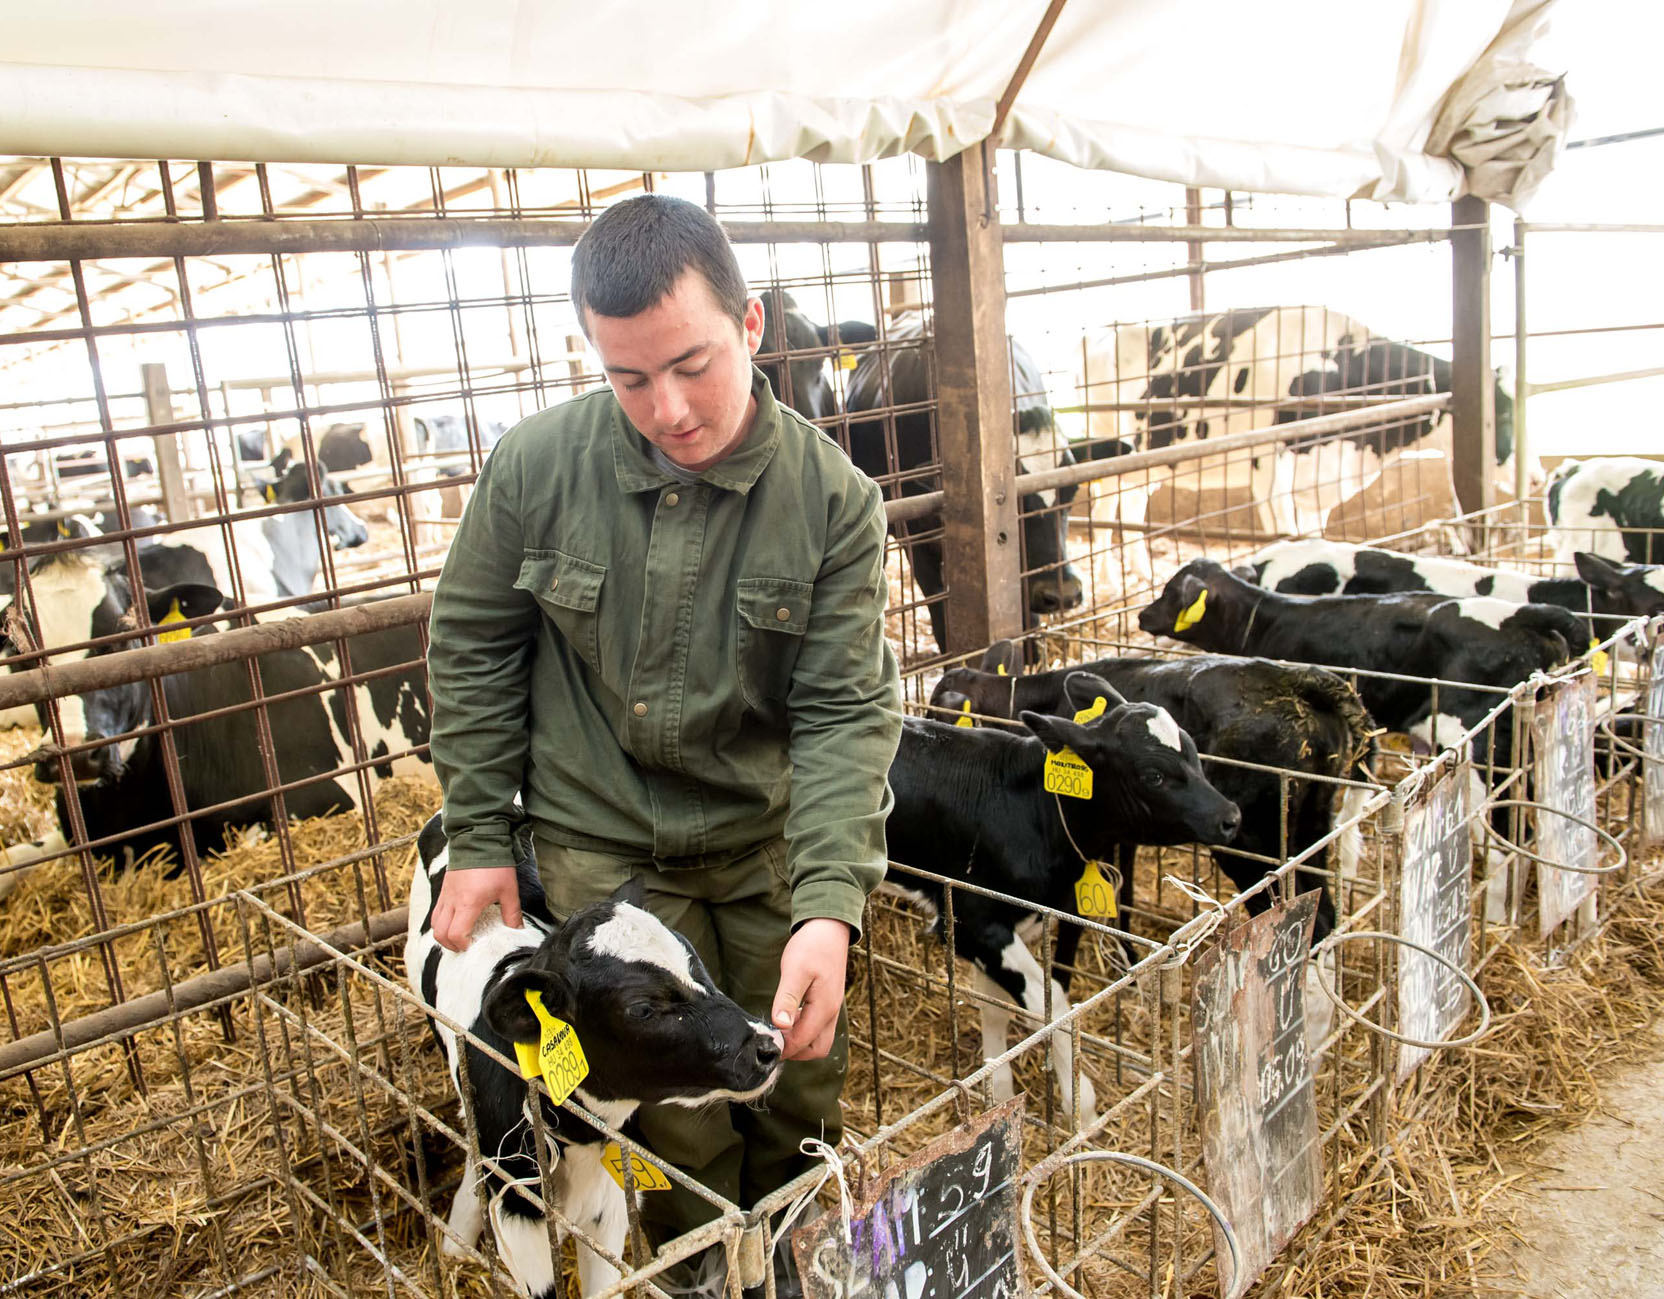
column 465, row 894
column 811, row 988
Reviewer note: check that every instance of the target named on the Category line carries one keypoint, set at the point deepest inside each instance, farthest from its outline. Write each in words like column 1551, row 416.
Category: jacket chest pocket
column 568, row 590
column 773, row 616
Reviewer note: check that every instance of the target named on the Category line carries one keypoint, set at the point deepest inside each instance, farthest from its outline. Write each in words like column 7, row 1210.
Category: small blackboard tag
column 1254, row 1086
column 1435, row 901
column 940, row 1225
column 1563, row 735
column 1652, row 743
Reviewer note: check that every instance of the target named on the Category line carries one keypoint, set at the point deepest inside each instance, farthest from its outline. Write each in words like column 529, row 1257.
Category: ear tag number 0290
column 173, row 615
column 557, row 1058
column 647, row 1177
column 1094, row 895
column 1065, row 773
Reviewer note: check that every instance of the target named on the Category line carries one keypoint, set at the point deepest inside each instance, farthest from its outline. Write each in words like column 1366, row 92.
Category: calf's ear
column 1002, row 657
column 631, row 891
column 192, row 599
column 1085, row 688
column 509, row 1013
column 1055, row 733
column 1598, row 571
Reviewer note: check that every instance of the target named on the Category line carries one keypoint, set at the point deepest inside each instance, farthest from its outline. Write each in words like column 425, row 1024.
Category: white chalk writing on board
column 1563, row 768
column 1435, row 903
column 1652, row 742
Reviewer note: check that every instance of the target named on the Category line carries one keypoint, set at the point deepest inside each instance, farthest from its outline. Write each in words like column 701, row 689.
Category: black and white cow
column 43, row 532
column 120, row 780
column 1299, row 719
column 1609, row 592
column 1225, row 372
column 970, row 804
column 652, row 1025
column 1612, row 506
column 902, row 376
column 1484, row 643
column 801, row 381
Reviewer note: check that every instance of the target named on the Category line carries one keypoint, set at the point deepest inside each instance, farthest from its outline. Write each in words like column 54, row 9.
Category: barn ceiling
column 1289, row 96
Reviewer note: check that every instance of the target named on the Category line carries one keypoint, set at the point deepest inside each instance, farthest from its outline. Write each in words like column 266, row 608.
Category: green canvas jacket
column 666, row 669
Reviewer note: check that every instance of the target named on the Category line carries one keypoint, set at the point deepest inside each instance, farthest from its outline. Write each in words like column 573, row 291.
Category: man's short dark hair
column 633, row 254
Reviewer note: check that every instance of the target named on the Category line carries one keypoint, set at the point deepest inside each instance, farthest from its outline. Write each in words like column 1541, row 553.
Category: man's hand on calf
column 811, row 991
column 465, row 894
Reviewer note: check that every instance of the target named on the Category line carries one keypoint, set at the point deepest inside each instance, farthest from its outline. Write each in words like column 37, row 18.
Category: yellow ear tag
column 848, row 361
column 173, row 615
column 1597, row 658
column 271, row 494
column 648, row 1178
column 1000, row 668
column 1094, row 896
column 63, row 530
column 1065, row 773
column 557, row 1058
column 1193, row 615
column 965, row 718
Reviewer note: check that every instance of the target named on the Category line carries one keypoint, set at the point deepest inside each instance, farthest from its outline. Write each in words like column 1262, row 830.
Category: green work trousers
column 736, row 911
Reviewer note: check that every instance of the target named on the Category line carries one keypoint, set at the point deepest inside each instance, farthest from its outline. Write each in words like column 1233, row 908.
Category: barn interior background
column 354, row 261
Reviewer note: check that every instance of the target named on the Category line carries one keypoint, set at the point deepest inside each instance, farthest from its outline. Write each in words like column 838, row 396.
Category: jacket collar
column 736, row 472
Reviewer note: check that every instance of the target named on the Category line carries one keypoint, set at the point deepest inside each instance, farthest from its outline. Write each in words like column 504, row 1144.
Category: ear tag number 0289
column 1065, row 773
column 1094, row 895
column 648, row 1178
column 557, row 1058
column 173, row 615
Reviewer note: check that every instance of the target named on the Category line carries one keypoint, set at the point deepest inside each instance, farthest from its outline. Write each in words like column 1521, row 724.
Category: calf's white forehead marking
column 1164, row 730
column 633, row 935
column 1038, row 451
column 1487, row 609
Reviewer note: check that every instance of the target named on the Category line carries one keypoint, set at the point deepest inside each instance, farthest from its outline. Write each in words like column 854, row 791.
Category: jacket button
column 640, row 710
column 783, row 614
column 554, row 583
column 672, row 499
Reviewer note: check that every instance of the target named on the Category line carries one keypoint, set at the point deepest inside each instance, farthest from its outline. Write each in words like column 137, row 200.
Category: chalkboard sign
column 1436, row 909
column 1254, row 1085
column 1652, row 743
column 1563, row 735
column 941, row 1225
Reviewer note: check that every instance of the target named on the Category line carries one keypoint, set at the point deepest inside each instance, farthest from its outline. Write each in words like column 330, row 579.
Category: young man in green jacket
column 660, row 624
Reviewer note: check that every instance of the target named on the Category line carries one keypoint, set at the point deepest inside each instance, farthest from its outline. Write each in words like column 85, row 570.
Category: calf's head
column 1621, row 590
column 653, row 1026
column 1197, row 603
column 1148, row 786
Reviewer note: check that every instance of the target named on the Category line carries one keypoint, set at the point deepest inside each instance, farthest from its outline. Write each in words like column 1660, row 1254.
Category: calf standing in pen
column 652, row 1026
column 1300, row 719
column 971, row 804
column 1613, row 506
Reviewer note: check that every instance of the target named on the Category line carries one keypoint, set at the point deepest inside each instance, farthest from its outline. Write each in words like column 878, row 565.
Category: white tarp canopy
column 1291, row 96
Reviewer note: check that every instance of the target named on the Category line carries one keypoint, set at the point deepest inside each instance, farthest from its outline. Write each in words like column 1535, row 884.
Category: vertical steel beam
column 973, row 405
column 1472, row 386
column 158, row 399
column 1193, row 217
column 1522, row 385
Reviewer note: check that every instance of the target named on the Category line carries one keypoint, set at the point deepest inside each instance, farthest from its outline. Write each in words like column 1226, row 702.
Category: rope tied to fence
column 1197, row 930
column 832, row 1166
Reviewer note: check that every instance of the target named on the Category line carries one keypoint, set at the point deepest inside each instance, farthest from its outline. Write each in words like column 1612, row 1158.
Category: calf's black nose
column 1230, row 822
column 766, row 1052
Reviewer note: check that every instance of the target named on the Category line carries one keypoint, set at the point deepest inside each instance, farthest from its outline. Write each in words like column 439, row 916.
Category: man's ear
column 1002, row 657
column 1056, row 733
column 751, row 325
column 509, row 1013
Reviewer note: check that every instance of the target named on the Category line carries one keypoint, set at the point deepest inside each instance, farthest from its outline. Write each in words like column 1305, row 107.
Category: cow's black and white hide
column 802, row 381
column 1612, row 506
column 1232, row 371
column 653, row 1027
column 970, row 804
column 120, row 779
column 1297, row 719
column 1606, row 591
column 902, row 375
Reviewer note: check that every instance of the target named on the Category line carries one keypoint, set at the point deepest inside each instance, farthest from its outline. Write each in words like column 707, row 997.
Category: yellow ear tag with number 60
column 173, row 615
column 648, row 1178
column 1193, row 615
column 965, row 718
column 1065, row 773
column 557, row 1058
column 1094, row 895
column 1597, row 658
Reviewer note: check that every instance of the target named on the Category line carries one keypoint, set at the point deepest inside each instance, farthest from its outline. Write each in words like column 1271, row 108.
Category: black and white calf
column 902, row 376
column 1197, row 377
column 1483, row 643
column 1300, row 719
column 121, row 782
column 970, row 804
column 652, row 1025
column 1609, row 591
column 1613, row 506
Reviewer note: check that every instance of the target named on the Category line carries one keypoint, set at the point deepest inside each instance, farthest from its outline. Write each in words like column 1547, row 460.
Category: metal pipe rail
column 1317, row 426
column 57, row 241
column 1034, row 233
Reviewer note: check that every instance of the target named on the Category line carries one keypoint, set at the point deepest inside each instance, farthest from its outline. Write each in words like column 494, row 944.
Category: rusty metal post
column 973, row 411
column 1193, row 217
column 1472, row 386
column 176, row 501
